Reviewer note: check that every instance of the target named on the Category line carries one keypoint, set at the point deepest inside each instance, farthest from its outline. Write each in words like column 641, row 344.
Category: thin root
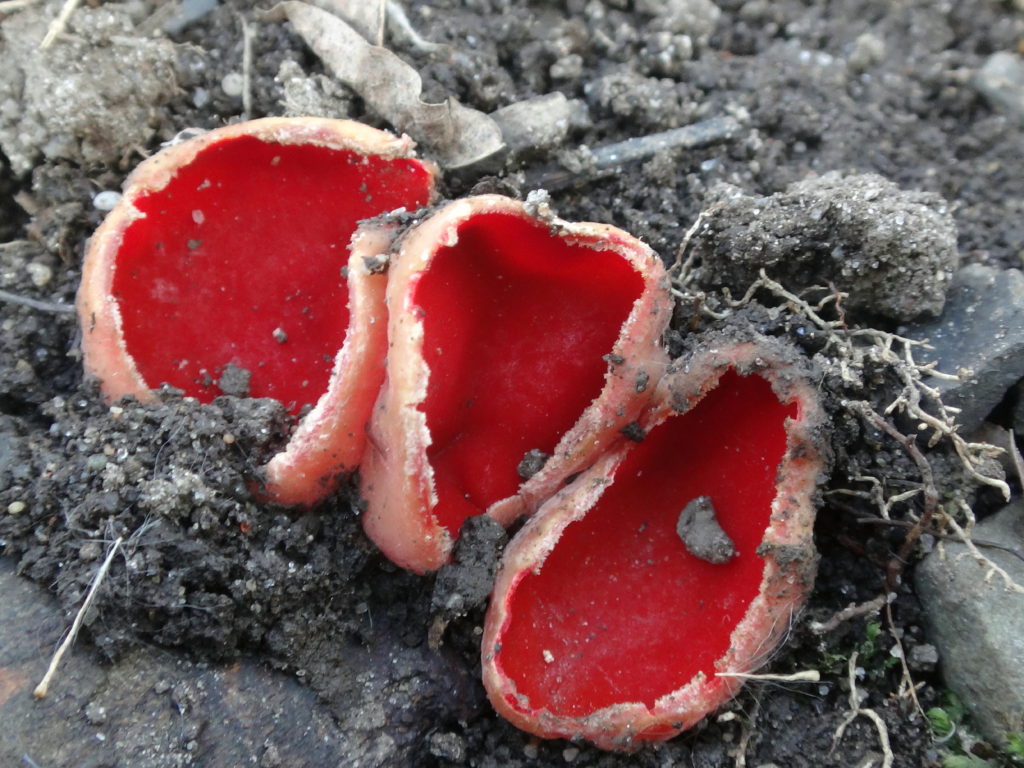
column 852, row 611
column 855, row 710
column 807, row 676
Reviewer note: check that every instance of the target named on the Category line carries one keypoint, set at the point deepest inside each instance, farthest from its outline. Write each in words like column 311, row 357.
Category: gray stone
column 923, row 658
column 1001, row 81
column 1017, row 415
column 980, row 337
column 186, row 12
column 125, row 713
column 538, row 123
column 978, row 624
column 696, row 18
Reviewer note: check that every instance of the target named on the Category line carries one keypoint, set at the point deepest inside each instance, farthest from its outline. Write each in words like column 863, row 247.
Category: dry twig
column 59, row 23
column 42, row 306
column 44, row 685
column 907, row 686
column 10, row 6
column 246, row 67
column 852, row 611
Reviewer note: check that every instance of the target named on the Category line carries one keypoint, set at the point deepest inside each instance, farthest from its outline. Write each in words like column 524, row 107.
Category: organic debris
column 457, row 135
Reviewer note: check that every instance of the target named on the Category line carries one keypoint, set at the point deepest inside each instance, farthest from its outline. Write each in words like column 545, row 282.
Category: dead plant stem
column 44, row 685
column 58, row 25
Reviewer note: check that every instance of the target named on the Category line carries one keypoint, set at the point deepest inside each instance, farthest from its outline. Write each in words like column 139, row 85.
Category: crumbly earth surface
column 213, row 577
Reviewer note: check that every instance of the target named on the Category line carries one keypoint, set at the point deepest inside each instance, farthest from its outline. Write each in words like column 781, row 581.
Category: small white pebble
column 232, row 84
column 16, row 507
column 198, row 216
column 40, row 274
column 279, row 335
column 548, row 656
column 106, row 200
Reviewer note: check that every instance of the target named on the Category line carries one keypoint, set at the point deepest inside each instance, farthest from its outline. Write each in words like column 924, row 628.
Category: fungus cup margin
column 329, row 444
column 397, row 479
column 787, row 549
column 330, row 439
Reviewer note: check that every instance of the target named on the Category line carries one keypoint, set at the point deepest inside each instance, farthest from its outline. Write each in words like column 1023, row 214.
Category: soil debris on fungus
column 700, row 532
column 501, row 323
column 701, row 128
column 222, row 240
column 561, row 653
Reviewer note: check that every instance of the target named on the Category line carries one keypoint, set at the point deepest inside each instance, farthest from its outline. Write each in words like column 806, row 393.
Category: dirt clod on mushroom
column 532, row 463
column 703, row 536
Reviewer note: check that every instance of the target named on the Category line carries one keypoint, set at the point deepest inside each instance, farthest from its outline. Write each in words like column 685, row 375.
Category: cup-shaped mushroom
column 223, row 269
column 519, row 346
column 625, row 607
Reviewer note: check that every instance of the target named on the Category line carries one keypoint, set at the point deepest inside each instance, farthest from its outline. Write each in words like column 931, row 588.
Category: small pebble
column 16, row 507
column 448, row 746
column 105, row 201
column 96, row 462
column 923, row 658
column 40, row 274
column 232, row 84
column 96, row 713
column 89, row 551
column 567, row 68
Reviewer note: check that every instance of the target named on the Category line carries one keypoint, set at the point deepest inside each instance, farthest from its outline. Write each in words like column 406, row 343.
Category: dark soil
column 205, row 570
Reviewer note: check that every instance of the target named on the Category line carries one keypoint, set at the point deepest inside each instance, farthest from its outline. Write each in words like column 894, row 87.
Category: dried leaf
column 364, row 16
column 457, row 135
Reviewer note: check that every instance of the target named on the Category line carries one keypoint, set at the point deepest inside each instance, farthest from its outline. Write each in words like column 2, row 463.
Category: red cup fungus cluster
column 485, row 359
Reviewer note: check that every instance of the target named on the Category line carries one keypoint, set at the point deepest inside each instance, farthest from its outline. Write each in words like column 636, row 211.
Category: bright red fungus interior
column 239, row 260
column 516, row 323
column 620, row 610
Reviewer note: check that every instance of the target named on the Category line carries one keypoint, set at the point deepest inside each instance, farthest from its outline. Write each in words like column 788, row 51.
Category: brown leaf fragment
column 458, row 136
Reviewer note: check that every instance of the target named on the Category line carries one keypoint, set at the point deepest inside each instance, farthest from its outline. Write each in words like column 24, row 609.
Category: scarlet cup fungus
column 519, row 346
column 229, row 251
column 624, row 605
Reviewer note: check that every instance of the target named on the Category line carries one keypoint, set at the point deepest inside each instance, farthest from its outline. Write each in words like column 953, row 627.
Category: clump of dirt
column 893, row 252
column 90, row 99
